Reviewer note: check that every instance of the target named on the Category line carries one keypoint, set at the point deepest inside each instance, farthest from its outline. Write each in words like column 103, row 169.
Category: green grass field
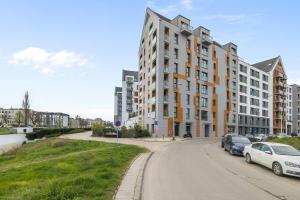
column 64, row 169
column 293, row 141
column 3, row 130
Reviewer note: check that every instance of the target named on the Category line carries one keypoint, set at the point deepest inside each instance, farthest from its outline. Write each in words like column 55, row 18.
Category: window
column 243, row 79
column 204, row 89
column 265, row 95
column 243, row 89
column 204, row 63
column 188, row 71
column 176, row 53
column 204, row 102
column 176, row 68
column 204, row 76
column 254, row 83
column 203, row 115
column 254, row 92
column 188, row 99
column 175, row 112
column 254, row 111
column 243, row 109
column 265, row 113
column 265, row 104
column 176, row 38
column 243, row 99
column 265, row 77
column 175, row 82
column 254, row 73
column 188, row 43
column 198, row 87
column 188, row 85
column 187, row 113
column 254, row 102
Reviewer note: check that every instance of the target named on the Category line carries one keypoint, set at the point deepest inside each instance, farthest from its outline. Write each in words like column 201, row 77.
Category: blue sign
column 118, row 123
column 155, row 122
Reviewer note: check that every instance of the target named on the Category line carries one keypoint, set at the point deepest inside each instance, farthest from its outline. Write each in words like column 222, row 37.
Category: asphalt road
column 201, row 169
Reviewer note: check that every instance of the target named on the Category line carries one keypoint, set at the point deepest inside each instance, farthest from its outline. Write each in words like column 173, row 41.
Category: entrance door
column 176, row 129
column 206, row 130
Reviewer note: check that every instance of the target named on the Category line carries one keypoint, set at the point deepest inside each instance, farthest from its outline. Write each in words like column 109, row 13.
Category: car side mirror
column 268, row 152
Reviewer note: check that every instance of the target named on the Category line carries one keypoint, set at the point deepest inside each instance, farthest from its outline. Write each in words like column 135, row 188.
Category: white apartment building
column 295, row 108
column 7, row 116
column 254, row 100
column 289, row 109
column 118, row 104
column 187, row 81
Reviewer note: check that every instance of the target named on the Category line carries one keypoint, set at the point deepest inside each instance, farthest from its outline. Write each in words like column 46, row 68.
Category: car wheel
column 277, row 169
column 231, row 151
column 248, row 158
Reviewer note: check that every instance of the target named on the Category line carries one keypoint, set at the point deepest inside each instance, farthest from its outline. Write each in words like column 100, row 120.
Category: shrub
column 97, row 129
column 136, row 132
column 52, row 132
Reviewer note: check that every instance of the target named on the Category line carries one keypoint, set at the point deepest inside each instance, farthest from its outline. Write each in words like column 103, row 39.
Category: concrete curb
column 131, row 185
column 142, row 178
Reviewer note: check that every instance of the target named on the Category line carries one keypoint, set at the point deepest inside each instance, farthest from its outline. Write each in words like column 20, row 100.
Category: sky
column 70, row 54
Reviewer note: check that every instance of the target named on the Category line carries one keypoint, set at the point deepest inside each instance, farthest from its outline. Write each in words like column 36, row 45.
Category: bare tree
column 35, row 118
column 26, row 107
column 19, row 117
column 5, row 118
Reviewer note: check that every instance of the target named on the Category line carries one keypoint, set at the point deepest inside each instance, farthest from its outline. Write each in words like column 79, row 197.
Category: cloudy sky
column 69, row 54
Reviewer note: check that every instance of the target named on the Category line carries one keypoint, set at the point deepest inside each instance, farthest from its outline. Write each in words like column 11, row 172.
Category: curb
column 142, row 178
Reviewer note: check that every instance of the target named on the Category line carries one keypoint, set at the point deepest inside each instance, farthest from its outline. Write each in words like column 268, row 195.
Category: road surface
column 199, row 169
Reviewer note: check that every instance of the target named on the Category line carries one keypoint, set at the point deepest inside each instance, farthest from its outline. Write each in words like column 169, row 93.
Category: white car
column 281, row 158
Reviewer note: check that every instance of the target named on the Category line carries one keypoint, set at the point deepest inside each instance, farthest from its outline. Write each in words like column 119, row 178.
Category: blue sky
column 70, row 54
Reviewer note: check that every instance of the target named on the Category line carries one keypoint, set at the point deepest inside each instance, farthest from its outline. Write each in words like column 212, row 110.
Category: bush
column 136, row 132
column 97, row 129
column 52, row 132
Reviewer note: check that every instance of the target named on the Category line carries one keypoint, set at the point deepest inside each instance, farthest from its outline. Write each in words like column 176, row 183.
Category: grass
column 5, row 131
column 64, row 169
column 293, row 141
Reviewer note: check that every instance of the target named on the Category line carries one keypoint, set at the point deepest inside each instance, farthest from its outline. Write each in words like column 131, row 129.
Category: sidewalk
column 8, row 147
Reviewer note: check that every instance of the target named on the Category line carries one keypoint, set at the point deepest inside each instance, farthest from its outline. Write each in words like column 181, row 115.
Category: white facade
column 289, row 109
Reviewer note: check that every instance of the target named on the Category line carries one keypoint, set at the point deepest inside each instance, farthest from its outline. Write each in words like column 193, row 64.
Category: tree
column 19, row 117
column 26, row 107
column 35, row 118
column 5, row 118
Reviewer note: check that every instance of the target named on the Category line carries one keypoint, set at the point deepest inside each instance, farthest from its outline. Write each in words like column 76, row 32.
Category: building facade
column 187, row 81
column 295, row 108
column 254, row 100
column 8, row 116
column 289, row 109
column 118, row 104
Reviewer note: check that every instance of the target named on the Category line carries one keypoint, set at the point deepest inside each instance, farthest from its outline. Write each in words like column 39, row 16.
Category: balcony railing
column 206, row 39
column 167, row 38
column 166, row 98
column 151, row 115
column 166, row 69
column 166, row 84
column 152, row 86
column 166, row 53
column 186, row 29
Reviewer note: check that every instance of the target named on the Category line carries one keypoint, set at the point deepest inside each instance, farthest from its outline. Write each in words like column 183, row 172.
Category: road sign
column 155, row 122
column 118, row 123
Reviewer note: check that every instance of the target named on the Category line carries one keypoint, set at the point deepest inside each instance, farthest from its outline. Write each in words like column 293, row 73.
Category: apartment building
column 289, row 109
column 278, row 90
column 118, row 104
column 7, row 116
column 254, row 100
column 52, row 120
column 187, row 81
column 295, row 108
column 126, row 99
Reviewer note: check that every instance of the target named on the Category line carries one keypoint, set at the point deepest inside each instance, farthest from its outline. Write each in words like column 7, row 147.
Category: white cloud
column 187, row 4
column 47, row 62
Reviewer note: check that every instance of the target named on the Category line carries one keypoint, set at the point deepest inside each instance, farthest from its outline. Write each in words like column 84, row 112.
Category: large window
column 204, row 102
column 204, row 89
column 204, row 76
column 203, row 115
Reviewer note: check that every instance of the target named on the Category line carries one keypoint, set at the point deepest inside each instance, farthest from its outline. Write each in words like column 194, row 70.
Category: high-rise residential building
column 126, row 99
column 278, row 89
column 118, row 104
column 296, row 108
column 187, row 81
column 254, row 100
column 289, row 109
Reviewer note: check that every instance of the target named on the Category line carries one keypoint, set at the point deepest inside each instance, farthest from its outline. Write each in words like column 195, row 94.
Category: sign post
column 118, row 124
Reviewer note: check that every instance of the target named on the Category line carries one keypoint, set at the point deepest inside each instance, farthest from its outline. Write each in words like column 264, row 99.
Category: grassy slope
column 64, row 169
column 3, row 130
column 293, row 141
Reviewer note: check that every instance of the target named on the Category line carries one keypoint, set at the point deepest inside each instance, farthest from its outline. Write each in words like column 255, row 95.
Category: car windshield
column 241, row 140
column 285, row 150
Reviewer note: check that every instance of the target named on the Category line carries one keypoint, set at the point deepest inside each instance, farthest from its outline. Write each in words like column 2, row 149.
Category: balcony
column 206, row 39
column 166, row 53
column 153, row 55
column 152, row 100
column 166, row 38
column 186, row 29
column 166, row 99
column 278, row 109
column 166, row 69
column 151, row 115
column 278, row 92
column 152, row 86
column 154, row 40
column 279, row 83
column 153, row 71
column 204, row 52
column 166, row 84
column 279, row 75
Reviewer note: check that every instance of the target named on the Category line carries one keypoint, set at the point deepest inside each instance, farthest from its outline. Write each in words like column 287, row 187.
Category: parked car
column 187, row 135
column 281, row 158
column 283, row 135
column 224, row 138
column 235, row 144
column 250, row 137
column 260, row 137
